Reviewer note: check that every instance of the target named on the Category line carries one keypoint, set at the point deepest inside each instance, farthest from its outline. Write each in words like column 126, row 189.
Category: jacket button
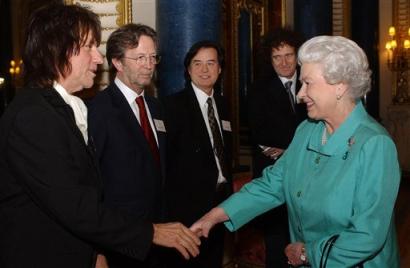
column 299, row 194
column 317, row 160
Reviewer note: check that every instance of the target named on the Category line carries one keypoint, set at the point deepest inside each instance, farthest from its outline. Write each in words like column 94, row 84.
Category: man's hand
column 101, row 262
column 202, row 226
column 176, row 235
column 273, row 152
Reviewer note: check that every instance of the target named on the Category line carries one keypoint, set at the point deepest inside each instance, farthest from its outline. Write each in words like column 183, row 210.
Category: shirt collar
column 128, row 93
column 62, row 92
column 339, row 140
column 285, row 79
column 78, row 107
column 201, row 96
column 73, row 101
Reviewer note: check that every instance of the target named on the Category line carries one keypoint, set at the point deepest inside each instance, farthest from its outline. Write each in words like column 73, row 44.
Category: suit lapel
column 67, row 114
column 161, row 135
column 221, row 114
column 197, row 120
column 156, row 115
column 124, row 113
column 200, row 131
column 63, row 109
column 279, row 94
column 226, row 133
column 301, row 112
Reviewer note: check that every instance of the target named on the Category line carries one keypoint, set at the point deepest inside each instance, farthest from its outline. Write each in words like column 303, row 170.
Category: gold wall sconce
column 398, row 60
column 398, row 51
column 15, row 68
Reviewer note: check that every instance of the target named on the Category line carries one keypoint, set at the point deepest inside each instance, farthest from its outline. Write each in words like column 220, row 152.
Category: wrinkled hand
column 203, row 226
column 293, row 251
column 273, row 152
column 101, row 262
column 176, row 235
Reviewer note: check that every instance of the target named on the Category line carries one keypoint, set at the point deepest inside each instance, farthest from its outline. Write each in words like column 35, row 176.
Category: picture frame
column 256, row 18
column 113, row 14
column 120, row 9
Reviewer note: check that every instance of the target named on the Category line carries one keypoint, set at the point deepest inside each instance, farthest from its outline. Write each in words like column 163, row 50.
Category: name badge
column 159, row 125
column 226, row 125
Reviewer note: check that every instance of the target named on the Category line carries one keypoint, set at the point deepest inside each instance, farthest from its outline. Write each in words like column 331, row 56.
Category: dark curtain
column 366, row 34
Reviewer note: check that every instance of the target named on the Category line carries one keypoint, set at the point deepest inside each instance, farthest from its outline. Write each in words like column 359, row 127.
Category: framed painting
column 245, row 22
column 117, row 11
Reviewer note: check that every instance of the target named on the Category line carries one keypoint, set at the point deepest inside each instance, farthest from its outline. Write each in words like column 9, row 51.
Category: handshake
column 187, row 240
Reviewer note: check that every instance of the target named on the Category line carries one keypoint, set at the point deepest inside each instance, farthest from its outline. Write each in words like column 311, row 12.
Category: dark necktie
column 146, row 128
column 288, row 85
column 216, row 134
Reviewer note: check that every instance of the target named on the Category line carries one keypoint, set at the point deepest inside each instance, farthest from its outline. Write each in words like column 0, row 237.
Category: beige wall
column 143, row 11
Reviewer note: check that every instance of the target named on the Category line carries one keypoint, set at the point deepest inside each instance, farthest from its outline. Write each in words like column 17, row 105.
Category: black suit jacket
column 272, row 121
column 192, row 172
column 50, row 191
column 132, row 178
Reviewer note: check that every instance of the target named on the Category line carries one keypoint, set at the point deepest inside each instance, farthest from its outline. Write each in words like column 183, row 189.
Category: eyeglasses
column 143, row 59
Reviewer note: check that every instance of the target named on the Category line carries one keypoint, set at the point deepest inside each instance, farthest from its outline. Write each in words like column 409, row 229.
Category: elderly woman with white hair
column 340, row 175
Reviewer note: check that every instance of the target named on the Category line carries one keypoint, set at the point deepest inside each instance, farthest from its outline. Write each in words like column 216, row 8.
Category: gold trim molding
column 401, row 17
column 95, row 1
column 123, row 9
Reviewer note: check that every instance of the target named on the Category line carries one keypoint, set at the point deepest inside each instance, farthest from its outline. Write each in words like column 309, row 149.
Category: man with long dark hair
column 199, row 154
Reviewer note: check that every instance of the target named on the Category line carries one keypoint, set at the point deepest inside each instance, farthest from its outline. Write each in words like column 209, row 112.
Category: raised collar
column 340, row 139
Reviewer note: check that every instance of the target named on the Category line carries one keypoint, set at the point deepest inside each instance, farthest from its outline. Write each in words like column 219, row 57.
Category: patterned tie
column 216, row 134
column 146, row 128
column 288, row 85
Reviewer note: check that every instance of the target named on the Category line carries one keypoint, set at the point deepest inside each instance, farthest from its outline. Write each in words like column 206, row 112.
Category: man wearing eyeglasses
column 274, row 113
column 129, row 133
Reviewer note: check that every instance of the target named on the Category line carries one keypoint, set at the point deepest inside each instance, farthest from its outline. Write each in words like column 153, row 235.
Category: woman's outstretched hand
column 203, row 226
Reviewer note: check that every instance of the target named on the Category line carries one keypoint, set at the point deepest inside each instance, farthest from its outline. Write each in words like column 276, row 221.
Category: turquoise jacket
column 346, row 187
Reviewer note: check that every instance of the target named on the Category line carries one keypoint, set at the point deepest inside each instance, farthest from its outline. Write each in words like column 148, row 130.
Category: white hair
column 342, row 59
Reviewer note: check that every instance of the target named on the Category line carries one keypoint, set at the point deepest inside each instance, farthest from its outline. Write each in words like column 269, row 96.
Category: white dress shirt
column 79, row 109
column 131, row 95
column 293, row 87
column 202, row 98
